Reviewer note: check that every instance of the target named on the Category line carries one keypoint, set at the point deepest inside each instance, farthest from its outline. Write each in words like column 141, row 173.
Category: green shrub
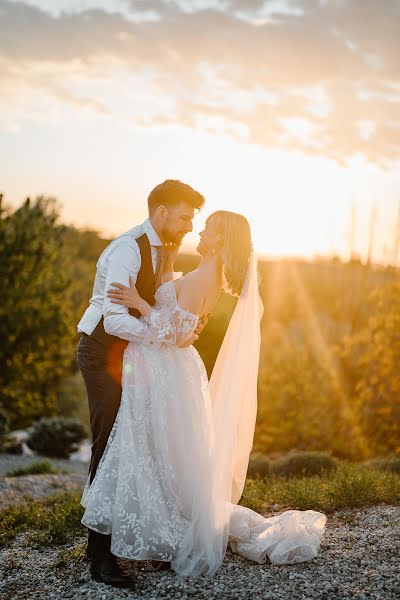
column 56, row 436
column 72, row 400
column 3, row 429
column 72, row 555
column 303, row 464
column 7, row 444
column 259, row 466
column 11, row 446
column 372, row 356
column 3, row 424
column 52, row 521
column 37, row 343
column 349, row 486
column 354, row 486
column 390, row 464
column 36, row 468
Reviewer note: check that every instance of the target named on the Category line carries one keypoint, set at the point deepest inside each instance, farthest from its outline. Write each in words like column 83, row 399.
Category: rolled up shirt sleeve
column 125, row 262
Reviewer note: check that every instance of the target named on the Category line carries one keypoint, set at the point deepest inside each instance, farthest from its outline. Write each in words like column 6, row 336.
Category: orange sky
column 286, row 111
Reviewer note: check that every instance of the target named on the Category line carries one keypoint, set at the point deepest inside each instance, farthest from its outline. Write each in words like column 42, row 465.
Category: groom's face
column 178, row 222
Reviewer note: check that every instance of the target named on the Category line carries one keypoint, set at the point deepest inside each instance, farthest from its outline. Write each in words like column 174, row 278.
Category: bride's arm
column 129, row 296
column 174, row 326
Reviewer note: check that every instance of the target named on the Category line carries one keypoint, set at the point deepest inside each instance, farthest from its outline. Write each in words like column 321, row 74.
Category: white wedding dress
column 155, row 487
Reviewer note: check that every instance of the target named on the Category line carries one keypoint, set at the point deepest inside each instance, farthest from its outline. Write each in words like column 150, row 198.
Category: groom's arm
column 125, row 262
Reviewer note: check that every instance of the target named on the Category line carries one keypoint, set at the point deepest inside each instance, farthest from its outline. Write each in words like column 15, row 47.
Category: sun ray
column 327, row 358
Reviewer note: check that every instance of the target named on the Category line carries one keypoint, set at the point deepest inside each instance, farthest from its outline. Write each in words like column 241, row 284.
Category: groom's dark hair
column 172, row 192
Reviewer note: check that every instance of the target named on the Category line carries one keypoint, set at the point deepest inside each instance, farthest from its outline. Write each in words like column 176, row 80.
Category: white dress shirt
column 120, row 260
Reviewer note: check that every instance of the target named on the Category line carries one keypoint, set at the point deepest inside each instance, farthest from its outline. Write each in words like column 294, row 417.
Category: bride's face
column 210, row 239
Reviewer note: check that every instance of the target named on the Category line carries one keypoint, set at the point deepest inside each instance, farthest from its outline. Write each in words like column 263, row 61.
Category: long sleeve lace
column 172, row 324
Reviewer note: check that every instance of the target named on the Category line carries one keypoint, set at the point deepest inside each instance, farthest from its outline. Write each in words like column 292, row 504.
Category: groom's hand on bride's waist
column 190, row 341
column 202, row 323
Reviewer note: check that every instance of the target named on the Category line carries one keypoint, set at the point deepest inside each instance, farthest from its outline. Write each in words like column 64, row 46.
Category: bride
column 169, row 482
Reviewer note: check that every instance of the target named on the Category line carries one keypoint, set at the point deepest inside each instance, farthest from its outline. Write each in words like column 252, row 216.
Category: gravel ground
column 9, row 462
column 359, row 558
column 13, row 490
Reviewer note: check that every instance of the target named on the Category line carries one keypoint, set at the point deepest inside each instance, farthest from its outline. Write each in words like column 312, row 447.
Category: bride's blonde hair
column 237, row 246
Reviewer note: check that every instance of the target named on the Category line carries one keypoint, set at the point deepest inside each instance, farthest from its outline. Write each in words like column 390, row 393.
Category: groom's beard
column 174, row 239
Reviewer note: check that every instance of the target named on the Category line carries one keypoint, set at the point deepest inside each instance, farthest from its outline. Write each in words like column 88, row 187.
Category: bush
column 304, row 464
column 72, row 400
column 372, row 356
column 52, row 521
column 68, row 557
column 390, row 464
column 56, row 437
column 37, row 329
column 349, row 486
column 3, row 429
column 11, row 446
column 36, row 468
column 259, row 466
column 3, row 425
column 301, row 402
column 7, row 444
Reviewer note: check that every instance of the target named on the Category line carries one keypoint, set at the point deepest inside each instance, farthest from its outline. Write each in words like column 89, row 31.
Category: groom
column 146, row 253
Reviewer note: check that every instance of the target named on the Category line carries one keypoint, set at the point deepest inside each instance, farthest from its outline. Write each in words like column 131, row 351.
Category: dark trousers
column 103, row 388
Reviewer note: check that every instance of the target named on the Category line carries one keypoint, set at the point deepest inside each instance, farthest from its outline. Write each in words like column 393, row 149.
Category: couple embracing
column 171, row 449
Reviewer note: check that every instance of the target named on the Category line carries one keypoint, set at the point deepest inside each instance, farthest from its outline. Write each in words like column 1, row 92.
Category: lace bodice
column 171, row 323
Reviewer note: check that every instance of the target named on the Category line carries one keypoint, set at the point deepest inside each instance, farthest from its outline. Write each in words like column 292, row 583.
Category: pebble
column 14, row 489
column 358, row 560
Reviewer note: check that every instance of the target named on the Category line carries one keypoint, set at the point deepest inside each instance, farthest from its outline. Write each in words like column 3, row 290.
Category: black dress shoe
column 109, row 572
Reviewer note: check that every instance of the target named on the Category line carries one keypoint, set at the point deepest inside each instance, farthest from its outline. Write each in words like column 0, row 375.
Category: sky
column 286, row 111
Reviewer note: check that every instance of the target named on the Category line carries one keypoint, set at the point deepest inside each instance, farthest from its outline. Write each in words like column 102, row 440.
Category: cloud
column 326, row 66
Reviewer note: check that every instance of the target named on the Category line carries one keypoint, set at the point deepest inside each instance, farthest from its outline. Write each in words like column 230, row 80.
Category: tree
column 36, row 328
column 373, row 356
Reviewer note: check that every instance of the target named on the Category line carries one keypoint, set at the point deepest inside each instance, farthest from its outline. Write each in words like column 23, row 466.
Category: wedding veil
column 222, row 462
column 233, row 389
